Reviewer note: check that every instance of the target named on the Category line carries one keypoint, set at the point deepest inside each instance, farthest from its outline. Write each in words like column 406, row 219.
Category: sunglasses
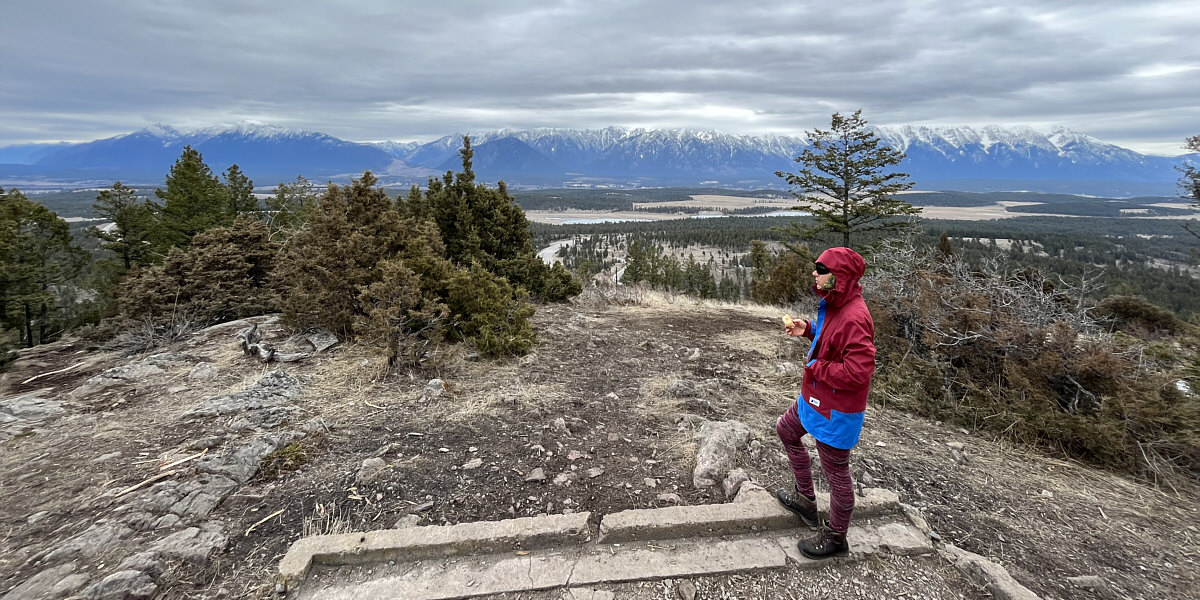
column 821, row 269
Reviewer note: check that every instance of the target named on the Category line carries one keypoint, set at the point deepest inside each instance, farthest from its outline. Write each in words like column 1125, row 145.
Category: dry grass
column 326, row 520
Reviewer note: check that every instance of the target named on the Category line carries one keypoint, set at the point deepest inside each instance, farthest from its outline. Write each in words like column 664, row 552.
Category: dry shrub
column 1137, row 315
column 1007, row 350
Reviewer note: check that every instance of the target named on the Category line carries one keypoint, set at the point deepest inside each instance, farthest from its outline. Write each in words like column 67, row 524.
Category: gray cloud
column 1123, row 72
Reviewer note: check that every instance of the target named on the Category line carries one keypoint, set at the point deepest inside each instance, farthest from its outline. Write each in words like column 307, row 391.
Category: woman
column 833, row 398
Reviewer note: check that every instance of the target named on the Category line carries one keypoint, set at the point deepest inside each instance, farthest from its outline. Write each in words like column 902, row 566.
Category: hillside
column 335, row 445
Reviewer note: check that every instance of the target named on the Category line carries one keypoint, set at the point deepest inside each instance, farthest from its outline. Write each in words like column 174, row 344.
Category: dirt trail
column 594, row 408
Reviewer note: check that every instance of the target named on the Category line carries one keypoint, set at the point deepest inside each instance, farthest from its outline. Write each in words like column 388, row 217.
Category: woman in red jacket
column 833, row 398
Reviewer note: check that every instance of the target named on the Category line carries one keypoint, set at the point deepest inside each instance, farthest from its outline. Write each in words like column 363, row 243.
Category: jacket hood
column 847, row 267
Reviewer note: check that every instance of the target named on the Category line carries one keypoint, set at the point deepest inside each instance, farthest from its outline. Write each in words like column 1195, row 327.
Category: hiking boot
column 805, row 508
column 825, row 544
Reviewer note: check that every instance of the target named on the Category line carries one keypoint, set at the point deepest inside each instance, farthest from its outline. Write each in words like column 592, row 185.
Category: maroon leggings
column 835, row 464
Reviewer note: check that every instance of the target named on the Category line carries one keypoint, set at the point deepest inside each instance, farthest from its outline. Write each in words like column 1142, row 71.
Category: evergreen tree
column 133, row 223
column 36, row 260
column 788, row 282
column 332, row 260
column 194, row 200
column 490, row 312
column 844, row 183
column 223, row 275
column 483, row 225
column 240, row 192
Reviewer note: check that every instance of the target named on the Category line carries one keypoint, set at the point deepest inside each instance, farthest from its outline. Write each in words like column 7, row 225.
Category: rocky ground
column 188, row 473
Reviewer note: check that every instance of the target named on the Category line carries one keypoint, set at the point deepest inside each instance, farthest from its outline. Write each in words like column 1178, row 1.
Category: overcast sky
column 1127, row 72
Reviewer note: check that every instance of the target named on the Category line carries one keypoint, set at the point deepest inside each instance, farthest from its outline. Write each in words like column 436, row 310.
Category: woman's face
column 821, row 276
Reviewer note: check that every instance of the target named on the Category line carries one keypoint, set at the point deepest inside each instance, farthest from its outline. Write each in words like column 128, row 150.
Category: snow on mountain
column 620, row 156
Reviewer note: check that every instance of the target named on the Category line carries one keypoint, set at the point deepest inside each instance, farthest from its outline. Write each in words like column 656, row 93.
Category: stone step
column 597, row 563
column 754, row 510
column 472, row 559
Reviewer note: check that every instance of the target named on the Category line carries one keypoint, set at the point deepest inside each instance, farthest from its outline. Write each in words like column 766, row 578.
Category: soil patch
column 588, row 422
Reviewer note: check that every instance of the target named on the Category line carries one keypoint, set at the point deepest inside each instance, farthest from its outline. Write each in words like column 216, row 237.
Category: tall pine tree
column 846, row 185
column 193, row 200
column 133, row 221
column 485, row 225
column 36, row 260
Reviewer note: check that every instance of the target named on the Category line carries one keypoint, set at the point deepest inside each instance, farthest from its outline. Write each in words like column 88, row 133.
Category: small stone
column 434, row 389
column 686, row 590
column 867, row 480
column 560, row 425
column 575, row 455
column 650, row 482
column 37, row 516
column 612, row 437
column 1046, row 494
column 537, row 474
column 407, row 521
column 474, row 463
column 733, row 482
column 881, row 444
column 370, row 470
column 669, row 497
column 612, row 396
column 564, row 479
column 955, row 445
column 595, row 472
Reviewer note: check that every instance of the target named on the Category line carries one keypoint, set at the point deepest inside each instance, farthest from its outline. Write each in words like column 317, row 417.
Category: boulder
column 719, row 443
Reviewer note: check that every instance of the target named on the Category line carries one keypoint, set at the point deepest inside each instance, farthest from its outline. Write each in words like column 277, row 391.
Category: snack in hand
column 788, row 322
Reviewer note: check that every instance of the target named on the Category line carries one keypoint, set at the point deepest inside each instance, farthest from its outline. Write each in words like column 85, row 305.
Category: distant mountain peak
column 161, row 131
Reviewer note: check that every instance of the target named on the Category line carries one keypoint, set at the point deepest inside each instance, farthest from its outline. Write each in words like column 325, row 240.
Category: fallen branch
column 76, row 365
column 263, row 520
column 183, row 460
column 147, row 482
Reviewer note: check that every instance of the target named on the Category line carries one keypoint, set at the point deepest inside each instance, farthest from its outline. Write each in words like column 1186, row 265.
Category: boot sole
column 823, row 556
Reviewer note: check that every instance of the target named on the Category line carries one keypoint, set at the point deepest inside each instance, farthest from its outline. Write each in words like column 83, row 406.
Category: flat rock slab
column 589, row 565
column 560, row 551
column 421, row 543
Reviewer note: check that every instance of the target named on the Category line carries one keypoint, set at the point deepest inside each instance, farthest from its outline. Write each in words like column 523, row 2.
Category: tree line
column 453, row 262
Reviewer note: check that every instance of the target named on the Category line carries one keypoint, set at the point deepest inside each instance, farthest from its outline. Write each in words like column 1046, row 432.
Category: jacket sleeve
column 855, row 364
column 808, row 330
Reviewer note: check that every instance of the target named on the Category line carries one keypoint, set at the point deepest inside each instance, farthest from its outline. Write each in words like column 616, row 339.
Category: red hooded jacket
column 841, row 361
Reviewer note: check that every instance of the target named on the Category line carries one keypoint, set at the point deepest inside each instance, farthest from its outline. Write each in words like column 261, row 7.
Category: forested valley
column 1152, row 258
column 1078, row 333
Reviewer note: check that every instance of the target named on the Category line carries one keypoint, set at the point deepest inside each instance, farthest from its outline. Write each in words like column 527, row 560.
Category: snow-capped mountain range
column 937, row 158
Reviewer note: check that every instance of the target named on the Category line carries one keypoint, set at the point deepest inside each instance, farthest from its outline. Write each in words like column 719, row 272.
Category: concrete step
column 560, row 551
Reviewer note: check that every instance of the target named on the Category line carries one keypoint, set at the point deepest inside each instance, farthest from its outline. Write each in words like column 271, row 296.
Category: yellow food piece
column 788, row 322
